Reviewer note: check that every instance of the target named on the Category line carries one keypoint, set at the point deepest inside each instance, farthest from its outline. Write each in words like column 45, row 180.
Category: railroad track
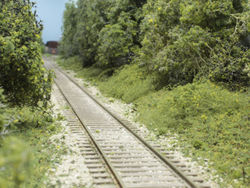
column 115, row 154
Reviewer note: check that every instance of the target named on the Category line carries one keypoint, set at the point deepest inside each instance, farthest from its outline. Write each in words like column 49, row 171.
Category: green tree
column 91, row 19
column 22, row 75
column 182, row 40
column 177, row 40
column 106, row 31
column 67, row 47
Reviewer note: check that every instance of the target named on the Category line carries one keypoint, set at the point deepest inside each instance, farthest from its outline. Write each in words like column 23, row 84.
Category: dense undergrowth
column 26, row 120
column 25, row 147
column 210, row 121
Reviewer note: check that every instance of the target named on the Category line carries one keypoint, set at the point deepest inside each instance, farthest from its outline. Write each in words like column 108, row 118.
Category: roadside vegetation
column 26, row 120
column 183, row 64
column 26, row 152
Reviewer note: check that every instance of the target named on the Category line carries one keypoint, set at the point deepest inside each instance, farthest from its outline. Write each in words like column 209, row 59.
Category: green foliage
column 24, row 133
column 14, row 119
column 67, row 47
column 212, row 120
column 102, row 32
column 180, row 40
column 22, row 118
column 22, row 75
column 183, row 40
column 118, row 41
column 15, row 162
column 232, row 70
column 26, row 156
column 114, row 46
column 91, row 19
column 133, row 84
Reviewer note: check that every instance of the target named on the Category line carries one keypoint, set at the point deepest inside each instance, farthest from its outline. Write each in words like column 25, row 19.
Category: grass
column 127, row 89
column 210, row 121
column 26, row 157
column 26, row 151
column 47, row 55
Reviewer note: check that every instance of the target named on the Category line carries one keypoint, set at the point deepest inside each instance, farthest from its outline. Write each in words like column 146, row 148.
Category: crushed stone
column 71, row 171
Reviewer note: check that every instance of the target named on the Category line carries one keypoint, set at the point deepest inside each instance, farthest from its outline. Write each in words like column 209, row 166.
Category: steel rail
column 154, row 151
column 111, row 168
column 117, row 178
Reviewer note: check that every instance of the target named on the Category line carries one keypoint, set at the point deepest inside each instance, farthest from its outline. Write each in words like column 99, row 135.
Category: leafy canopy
column 180, row 40
column 22, row 75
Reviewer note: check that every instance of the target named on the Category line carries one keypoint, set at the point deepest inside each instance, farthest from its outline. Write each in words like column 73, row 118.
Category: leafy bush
column 212, row 120
column 22, row 75
column 114, row 46
column 14, row 119
column 186, row 39
column 23, row 130
column 133, row 84
column 118, row 40
column 232, row 70
column 91, row 18
column 22, row 163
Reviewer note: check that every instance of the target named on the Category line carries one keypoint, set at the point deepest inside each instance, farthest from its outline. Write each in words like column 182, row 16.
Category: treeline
column 177, row 40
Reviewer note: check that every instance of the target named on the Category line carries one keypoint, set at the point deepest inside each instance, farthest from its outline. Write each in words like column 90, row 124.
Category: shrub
column 118, row 40
column 210, row 121
column 230, row 66
column 91, row 18
column 22, row 75
column 115, row 44
column 128, row 83
column 22, row 118
column 182, row 40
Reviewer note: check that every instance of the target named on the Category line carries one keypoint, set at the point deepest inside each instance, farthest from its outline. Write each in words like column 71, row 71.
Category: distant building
column 52, row 47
